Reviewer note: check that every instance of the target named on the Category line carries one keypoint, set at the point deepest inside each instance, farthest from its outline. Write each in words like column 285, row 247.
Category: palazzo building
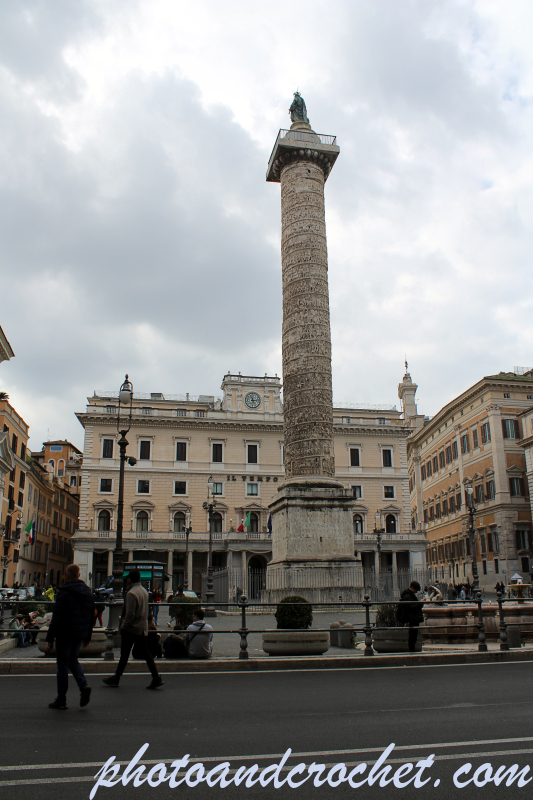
column 181, row 441
column 475, row 441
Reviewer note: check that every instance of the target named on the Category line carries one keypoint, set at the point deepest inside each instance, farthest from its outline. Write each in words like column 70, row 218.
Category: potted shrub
column 388, row 635
column 181, row 610
column 293, row 636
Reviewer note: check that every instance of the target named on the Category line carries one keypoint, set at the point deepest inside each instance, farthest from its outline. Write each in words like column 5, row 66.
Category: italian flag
column 245, row 523
column 30, row 528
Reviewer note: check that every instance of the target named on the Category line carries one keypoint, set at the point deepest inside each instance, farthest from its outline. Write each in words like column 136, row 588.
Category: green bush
column 295, row 616
column 386, row 617
column 182, row 611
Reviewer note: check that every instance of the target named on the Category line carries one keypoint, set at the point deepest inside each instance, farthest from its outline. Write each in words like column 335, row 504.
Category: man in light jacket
column 199, row 636
column 134, row 631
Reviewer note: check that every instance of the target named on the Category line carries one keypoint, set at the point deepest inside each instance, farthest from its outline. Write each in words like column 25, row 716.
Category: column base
column 317, row 581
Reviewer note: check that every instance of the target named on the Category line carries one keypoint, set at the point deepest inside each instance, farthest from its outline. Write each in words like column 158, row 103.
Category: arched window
column 142, row 521
column 104, row 520
column 179, row 521
column 216, row 522
column 390, row 523
column 254, row 523
column 52, row 463
column 357, row 524
column 60, row 468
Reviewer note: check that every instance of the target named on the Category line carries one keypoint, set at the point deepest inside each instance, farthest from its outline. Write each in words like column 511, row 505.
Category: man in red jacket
column 71, row 626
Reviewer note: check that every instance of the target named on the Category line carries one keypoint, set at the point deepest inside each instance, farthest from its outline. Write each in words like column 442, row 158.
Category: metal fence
column 259, row 584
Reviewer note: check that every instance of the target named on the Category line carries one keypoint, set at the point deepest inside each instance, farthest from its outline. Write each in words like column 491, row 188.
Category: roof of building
column 510, row 376
column 63, row 442
column 6, row 351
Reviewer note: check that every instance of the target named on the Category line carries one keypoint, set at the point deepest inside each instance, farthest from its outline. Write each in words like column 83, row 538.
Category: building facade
column 474, row 442
column 16, row 434
column 237, row 440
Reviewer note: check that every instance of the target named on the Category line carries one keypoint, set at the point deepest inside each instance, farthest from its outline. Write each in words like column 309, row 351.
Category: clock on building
column 252, row 400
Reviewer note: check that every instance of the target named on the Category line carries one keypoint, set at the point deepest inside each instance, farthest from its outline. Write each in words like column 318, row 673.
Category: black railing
column 244, row 606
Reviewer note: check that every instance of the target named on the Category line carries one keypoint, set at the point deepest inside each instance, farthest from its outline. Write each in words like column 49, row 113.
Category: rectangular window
column 181, row 412
column 485, row 433
column 252, row 488
column 435, row 464
column 22, row 479
column 30, row 489
column 354, row 457
column 144, row 450
column 442, row 459
column 465, row 444
column 23, row 451
column 56, row 518
column 382, row 421
column 216, row 455
column 437, row 510
column 143, row 487
column 107, row 448
column 217, row 488
column 496, row 566
column 423, row 472
column 73, row 481
column 14, row 442
column 251, row 454
column 458, row 501
column 181, row 451
column 357, row 492
column 105, row 485
column 475, row 440
column 490, row 490
column 478, row 493
column 521, row 540
column 387, row 457
column 428, row 469
column 180, row 487
column 452, row 504
column 431, row 513
column 511, row 429
column 516, row 486
column 444, row 507
column 425, row 515
column 455, row 453
column 388, row 492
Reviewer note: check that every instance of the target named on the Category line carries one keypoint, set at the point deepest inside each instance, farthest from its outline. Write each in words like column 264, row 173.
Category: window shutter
column 504, row 429
column 517, row 431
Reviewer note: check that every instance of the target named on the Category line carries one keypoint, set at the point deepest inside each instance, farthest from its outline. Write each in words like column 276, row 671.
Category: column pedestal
column 313, row 550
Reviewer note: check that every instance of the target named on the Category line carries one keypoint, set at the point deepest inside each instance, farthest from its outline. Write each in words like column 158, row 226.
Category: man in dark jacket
column 71, row 626
column 411, row 613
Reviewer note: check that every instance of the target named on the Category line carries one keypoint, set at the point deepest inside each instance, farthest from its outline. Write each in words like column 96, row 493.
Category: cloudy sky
column 138, row 232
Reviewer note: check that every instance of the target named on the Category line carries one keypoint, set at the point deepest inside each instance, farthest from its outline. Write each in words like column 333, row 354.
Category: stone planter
column 95, row 649
column 393, row 640
column 295, row 642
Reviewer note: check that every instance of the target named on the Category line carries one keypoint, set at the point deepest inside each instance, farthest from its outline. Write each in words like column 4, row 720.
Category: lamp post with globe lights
column 125, row 403
column 209, row 506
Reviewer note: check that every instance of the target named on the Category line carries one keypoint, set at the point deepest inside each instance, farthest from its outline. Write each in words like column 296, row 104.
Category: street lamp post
column 472, row 535
column 378, row 532
column 210, row 595
column 188, row 531
column 125, row 400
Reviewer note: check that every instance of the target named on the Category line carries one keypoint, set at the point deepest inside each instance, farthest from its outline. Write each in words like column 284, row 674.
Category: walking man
column 134, row 631
column 71, row 626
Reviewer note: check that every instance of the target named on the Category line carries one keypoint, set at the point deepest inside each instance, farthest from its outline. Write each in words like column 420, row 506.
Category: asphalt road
column 463, row 714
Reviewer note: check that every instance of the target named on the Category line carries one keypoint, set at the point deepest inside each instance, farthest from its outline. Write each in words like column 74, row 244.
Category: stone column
column 170, row 569
column 244, row 569
column 189, row 567
column 312, row 536
column 307, row 397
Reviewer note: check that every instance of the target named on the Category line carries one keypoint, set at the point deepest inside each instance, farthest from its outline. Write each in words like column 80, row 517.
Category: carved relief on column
column 307, row 396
